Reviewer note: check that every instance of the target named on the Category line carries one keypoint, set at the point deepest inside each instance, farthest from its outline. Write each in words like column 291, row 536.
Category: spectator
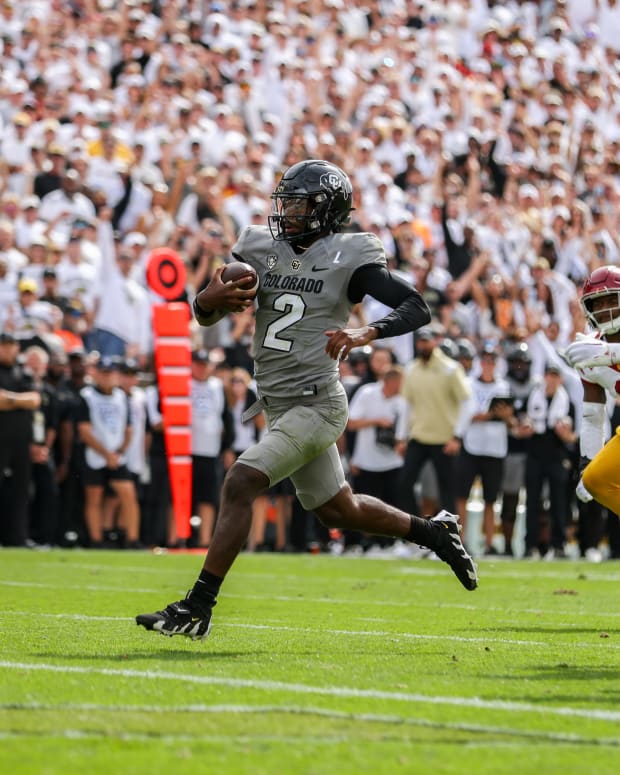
column 62, row 206
column 51, row 179
column 122, row 316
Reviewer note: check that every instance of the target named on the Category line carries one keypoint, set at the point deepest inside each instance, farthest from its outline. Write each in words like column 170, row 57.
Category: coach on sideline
column 17, row 401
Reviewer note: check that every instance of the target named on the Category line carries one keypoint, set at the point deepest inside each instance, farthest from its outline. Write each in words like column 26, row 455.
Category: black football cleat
column 450, row 549
column 184, row 617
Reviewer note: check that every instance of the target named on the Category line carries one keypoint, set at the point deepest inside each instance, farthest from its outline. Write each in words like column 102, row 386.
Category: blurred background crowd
column 483, row 143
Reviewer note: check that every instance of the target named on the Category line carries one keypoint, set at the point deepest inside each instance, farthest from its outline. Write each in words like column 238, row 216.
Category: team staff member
column 438, row 393
column 311, row 276
column 379, row 415
column 485, row 443
column 45, row 423
column 17, row 402
column 136, row 450
column 212, row 435
column 104, row 425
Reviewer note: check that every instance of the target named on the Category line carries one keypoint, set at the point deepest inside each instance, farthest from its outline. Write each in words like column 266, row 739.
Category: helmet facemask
column 295, row 218
column 607, row 319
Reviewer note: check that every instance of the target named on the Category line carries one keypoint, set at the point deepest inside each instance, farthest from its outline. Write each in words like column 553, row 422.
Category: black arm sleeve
column 410, row 309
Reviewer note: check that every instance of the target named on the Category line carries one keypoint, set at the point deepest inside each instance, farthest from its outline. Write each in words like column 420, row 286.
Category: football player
column 311, row 275
column 596, row 356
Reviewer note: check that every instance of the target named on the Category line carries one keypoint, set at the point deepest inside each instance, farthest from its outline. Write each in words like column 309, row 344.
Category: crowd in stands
column 483, row 142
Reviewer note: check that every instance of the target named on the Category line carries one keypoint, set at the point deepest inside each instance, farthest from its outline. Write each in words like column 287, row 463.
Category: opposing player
column 596, row 356
column 310, row 275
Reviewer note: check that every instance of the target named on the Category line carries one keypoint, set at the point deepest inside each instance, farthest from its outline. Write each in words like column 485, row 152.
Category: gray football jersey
column 299, row 298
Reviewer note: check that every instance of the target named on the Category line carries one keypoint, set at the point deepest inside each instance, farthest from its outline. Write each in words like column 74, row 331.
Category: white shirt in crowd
column 136, row 454
column 489, row 437
column 208, row 404
column 109, row 418
column 123, row 308
column 370, row 403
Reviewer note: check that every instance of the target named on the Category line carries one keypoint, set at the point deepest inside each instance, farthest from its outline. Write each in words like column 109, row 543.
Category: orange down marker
column 166, row 276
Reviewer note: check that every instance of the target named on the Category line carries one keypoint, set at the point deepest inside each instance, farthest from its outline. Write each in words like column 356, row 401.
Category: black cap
column 49, row 272
column 108, row 363
column 129, row 366
column 6, row 337
column 449, row 347
column 466, row 348
column 425, row 334
column 200, row 356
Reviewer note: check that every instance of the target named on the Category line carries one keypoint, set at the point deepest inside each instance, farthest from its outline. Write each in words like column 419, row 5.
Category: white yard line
column 296, row 710
column 599, row 714
column 287, row 628
column 387, row 634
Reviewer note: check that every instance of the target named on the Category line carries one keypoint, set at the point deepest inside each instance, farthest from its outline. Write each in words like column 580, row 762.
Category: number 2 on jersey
column 293, row 307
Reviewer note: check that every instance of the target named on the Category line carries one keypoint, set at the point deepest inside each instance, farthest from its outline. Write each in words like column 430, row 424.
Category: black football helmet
column 466, row 349
column 313, row 198
column 450, row 348
column 519, row 362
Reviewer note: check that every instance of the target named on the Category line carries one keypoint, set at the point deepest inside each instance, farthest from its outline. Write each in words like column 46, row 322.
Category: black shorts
column 489, row 469
column 380, row 484
column 100, row 477
column 205, row 479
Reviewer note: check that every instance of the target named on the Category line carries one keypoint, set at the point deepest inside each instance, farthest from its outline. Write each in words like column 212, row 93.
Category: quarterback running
column 311, row 274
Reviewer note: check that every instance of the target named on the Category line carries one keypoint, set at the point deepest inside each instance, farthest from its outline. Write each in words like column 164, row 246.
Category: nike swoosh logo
column 320, row 268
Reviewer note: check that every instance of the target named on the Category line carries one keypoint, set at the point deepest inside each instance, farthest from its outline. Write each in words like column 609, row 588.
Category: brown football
column 238, row 269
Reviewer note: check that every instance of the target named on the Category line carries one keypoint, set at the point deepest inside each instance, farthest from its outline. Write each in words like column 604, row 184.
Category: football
column 238, row 269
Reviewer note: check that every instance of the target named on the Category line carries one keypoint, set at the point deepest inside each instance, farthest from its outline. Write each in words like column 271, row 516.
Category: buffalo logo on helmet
column 330, row 180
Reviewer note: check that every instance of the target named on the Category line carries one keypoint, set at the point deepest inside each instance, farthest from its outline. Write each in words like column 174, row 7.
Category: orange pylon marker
column 172, row 347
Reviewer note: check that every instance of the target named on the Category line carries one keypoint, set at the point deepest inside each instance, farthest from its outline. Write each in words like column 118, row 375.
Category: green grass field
column 315, row 665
